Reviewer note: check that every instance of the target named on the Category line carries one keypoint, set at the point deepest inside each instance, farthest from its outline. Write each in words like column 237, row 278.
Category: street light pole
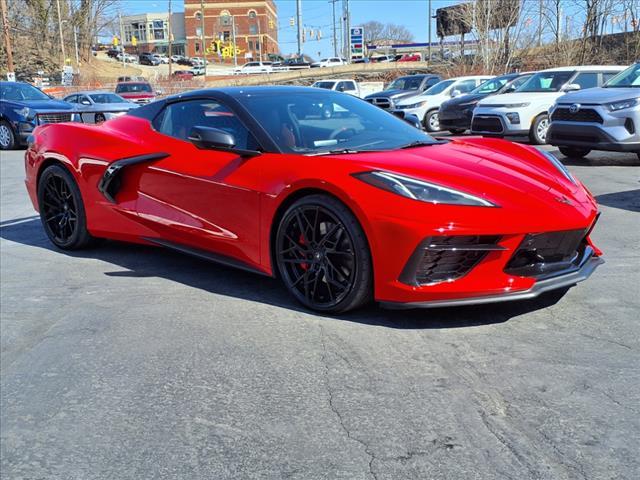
column 335, row 42
column 123, row 51
column 233, row 35
column 170, row 35
column 299, row 22
column 429, row 24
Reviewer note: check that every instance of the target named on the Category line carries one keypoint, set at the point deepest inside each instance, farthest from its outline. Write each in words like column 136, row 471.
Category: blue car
column 19, row 104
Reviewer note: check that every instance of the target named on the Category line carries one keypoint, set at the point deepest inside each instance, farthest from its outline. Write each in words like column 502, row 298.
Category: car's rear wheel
column 61, row 209
column 539, row 128
column 7, row 138
column 100, row 117
column 432, row 121
column 572, row 152
column 323, row 256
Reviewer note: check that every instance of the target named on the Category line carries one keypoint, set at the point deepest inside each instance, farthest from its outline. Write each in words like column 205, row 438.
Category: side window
column 72, row 99
column 606, row 76
column 83, row 98
column 586, row 80
column 465, row 86
column 349, row 86
column 177, row 120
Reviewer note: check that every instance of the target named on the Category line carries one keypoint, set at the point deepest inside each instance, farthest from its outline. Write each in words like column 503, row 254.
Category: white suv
column 254, row 67
column 425, row 106
column 525, row 112
column 330, row 62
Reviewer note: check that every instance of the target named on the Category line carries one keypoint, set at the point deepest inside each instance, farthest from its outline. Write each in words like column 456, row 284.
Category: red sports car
column 341, row 200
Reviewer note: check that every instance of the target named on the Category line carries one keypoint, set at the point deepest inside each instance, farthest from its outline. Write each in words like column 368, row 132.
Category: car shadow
column 145, row 261
column 629, row 200
column 613, row 160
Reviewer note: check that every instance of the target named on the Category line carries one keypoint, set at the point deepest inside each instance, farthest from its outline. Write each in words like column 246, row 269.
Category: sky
column 317, row 14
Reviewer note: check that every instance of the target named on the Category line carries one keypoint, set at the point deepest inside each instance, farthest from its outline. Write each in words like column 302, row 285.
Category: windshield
column 107, row 98
column 21, row 91
column 406, row 83
column 326, row 85
column 493, row 85
column 629, row 78
column 439, row 87
column 546, row 82
column 319, row 121
column 133, row 87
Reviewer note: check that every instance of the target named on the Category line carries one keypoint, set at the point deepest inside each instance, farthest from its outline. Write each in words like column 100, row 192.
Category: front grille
column 546, row 253
column 447, row 258
column 582, row 115
column 54, row 117
column 487, row 124
column 382, row 102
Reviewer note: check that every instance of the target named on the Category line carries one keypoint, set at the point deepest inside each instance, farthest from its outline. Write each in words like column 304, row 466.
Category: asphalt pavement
column 129, row 362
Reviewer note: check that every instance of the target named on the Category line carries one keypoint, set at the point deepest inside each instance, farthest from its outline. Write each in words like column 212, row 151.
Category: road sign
column 356, row 42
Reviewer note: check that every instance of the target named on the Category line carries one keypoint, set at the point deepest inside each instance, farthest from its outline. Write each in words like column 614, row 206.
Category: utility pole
column 123, row 52
column 11, row 76
column 347, row 31
column 299, row 22
column 540, row 23
column 259, row 38
column 202, row 45
column 75, row 42
column 429, row 27
column 64, row 56
column 233, row 36
column 169, row 53
column 333, row 25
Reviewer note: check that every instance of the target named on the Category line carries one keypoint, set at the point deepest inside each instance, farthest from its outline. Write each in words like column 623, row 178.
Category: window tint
column 350, row 86
column 465, row 86
column 586, row 80
column 178, row 119
column 546, row 81
column 71, row 99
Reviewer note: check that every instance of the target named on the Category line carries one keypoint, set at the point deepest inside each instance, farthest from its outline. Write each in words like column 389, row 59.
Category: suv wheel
column 572, row 152
column 432, row 121
column 539, row 128
column 7, row 138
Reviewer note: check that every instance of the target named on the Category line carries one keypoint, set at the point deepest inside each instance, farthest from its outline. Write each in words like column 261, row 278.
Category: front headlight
column 615, row 106
column 560, row 166
column 414, row 105
column 421, row 190
column 517, row 105
column 25, row 112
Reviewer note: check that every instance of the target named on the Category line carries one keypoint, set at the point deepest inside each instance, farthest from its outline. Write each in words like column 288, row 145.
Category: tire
column 457, row 131
column 431, row 122
column 539, row 129
column 323, row 256
column 7, row 137
column 572, row 152
column 62, row 210
column 99, row 118
column 638, row 154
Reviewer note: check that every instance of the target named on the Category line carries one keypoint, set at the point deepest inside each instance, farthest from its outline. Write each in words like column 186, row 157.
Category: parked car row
column 563, row 106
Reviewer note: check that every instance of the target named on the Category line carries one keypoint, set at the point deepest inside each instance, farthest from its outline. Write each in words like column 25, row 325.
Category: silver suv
column 606, row 118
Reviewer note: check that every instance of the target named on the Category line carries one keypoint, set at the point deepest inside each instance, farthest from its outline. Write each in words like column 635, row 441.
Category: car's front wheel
column 7, row 138
column 539, row 128
column 432, row 121
column 62, row 210
column 572, row 152
column 323, row 256
column 100, row 117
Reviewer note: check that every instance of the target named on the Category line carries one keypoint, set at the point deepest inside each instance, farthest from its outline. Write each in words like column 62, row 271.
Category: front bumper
column 560, row 280
column 455, row 118
column 496, row 125
column 565, row 134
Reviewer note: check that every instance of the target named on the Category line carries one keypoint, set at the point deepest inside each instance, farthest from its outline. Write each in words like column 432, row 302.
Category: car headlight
column 414, row 105
column 25, row 112
column 517, row 105
column 615, row 106
column 421, row 190
column 468, row 104
column 559, row 165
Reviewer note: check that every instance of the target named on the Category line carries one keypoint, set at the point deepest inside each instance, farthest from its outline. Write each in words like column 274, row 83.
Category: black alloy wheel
column 100, row 117
column 323, row 256
column 61, row 209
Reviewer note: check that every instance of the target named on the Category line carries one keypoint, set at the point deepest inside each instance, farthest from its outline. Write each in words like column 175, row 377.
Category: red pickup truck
column 138, row 92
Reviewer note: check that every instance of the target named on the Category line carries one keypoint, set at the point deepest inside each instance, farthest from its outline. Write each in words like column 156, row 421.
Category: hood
column 524, row 97
column 437, row 99
column 599, row 95
column 394, row 94
column 44, row 104
column 463, row 100
column 515, row 177
column 107, row 107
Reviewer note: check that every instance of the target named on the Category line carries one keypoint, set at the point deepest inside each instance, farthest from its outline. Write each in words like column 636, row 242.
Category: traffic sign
column 356, row 42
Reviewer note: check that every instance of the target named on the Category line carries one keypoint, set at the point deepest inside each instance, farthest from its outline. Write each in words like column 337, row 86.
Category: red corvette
column 341, row 200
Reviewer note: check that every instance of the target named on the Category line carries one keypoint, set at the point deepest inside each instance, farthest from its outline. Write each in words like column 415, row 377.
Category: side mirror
column 207, row 138
column 571, row 87
column 455, row 93
column 159, row 91
column 510, row 89
column 85, row 102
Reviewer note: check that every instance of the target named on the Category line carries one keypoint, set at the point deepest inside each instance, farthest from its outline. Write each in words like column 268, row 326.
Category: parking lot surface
column 129, row 362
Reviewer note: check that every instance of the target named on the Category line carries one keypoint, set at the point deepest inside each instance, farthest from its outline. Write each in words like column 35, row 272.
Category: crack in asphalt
column 334, row 409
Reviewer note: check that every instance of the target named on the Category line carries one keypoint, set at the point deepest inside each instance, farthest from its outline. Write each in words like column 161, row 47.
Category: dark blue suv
column 19, row 104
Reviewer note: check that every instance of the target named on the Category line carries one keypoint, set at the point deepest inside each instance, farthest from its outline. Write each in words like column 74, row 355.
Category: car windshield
column 629, row 78
column 492, row 86
column 133, row 87
column 21, row 91
column 319, row 121
column 439, row 87
column 546, row 82
column 326, row 85
column 406, row 83
column 107, row 98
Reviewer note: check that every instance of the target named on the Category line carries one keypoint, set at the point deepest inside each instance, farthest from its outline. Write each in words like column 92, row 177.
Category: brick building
column 151, row 31
column 255, row 24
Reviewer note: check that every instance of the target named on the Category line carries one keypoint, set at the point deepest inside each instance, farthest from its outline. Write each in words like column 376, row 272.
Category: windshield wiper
column 338, row 151
column 418, row 143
